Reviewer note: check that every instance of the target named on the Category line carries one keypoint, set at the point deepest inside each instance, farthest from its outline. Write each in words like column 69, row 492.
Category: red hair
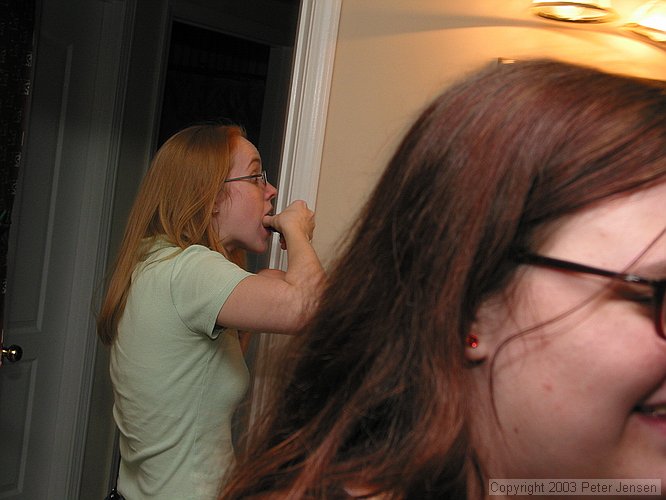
column 376, row 391
column 175, row 202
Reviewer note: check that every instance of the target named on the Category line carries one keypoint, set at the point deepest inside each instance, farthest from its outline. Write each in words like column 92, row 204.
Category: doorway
column 212, row 76
column 203, row 60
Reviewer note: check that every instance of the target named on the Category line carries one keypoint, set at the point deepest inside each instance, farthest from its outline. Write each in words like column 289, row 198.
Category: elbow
column 301, row 312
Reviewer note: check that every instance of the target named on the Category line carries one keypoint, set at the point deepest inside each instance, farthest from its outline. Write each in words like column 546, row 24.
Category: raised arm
column 275, row 301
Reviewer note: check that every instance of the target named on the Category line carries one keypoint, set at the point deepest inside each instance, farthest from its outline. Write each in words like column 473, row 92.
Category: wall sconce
column 649, row 20
column 575, row 12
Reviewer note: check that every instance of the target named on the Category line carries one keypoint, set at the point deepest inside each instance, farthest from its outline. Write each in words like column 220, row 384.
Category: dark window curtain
column 17, row 23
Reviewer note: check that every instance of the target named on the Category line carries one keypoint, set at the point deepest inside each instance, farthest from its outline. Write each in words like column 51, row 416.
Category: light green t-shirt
column 177, row 377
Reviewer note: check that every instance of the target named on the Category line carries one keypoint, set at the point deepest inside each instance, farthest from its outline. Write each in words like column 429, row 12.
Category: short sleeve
column 201, row 281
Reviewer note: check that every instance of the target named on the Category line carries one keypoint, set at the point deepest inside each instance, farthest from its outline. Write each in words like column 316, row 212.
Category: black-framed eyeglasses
column 658, row 286
column 261, row 175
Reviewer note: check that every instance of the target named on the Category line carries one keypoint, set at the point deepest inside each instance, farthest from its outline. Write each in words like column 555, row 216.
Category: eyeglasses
column 658, row 286
column 258, row 176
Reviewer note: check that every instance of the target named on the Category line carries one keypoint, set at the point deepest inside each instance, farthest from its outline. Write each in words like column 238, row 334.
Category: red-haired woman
column 176, row 300
column 507, row 314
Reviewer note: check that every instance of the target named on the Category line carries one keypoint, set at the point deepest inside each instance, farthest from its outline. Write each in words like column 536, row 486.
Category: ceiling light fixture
column 575, row 12
column 649, row 21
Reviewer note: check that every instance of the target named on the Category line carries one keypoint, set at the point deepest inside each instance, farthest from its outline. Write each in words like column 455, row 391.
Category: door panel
column 16, row 388
column 30, row 264
column 57, row 239
column 28, row 387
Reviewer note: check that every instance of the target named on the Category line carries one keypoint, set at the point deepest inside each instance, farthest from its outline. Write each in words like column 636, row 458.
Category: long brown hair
column 377, row 394
column 175, row 201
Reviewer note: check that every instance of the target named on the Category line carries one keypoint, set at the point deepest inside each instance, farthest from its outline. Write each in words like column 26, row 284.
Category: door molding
column 92, row 245
column 302, row 152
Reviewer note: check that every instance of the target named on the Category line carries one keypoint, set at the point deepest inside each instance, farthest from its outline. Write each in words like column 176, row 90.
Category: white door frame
column 303, row 146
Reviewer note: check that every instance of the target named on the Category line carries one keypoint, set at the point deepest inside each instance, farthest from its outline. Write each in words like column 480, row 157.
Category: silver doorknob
column 13, row 353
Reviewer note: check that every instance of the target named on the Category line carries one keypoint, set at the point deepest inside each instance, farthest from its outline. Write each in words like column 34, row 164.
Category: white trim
column 92, row 241
column 303, row 145
column 308, row 106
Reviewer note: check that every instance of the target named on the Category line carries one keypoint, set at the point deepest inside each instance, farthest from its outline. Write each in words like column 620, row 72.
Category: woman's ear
column 476, row 350
column 479, row 342
column 220, row 203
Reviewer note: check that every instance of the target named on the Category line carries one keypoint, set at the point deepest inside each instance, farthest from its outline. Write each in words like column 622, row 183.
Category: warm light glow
column 650, row 21
column 578, row 12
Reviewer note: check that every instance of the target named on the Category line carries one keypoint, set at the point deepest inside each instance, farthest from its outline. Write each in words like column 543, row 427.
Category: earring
column 472, row 341
column 215, row 212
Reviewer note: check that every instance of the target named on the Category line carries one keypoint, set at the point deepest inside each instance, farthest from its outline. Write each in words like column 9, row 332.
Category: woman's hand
column 276, row 301
column 295, row 221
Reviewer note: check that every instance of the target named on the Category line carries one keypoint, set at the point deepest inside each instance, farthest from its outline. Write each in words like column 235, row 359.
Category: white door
column 56, row 245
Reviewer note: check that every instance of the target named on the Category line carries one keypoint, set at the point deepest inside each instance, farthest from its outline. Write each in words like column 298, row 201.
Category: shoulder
column 167, row 253
column 202, row 257
column 201, row 271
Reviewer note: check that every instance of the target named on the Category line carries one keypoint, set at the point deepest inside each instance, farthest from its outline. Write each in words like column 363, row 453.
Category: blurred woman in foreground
column 499, row 310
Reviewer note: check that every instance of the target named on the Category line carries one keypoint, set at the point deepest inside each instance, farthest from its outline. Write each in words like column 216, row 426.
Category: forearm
column 304, row 272
column 304, row 277
column 303, row 265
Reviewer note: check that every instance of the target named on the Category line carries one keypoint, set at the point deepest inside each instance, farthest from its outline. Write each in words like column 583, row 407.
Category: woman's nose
column 271, row 191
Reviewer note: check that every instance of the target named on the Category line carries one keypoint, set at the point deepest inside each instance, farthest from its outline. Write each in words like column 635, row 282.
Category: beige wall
column 395, row 55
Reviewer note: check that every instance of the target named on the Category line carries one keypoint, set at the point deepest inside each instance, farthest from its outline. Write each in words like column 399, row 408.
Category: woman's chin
column 260, row 246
